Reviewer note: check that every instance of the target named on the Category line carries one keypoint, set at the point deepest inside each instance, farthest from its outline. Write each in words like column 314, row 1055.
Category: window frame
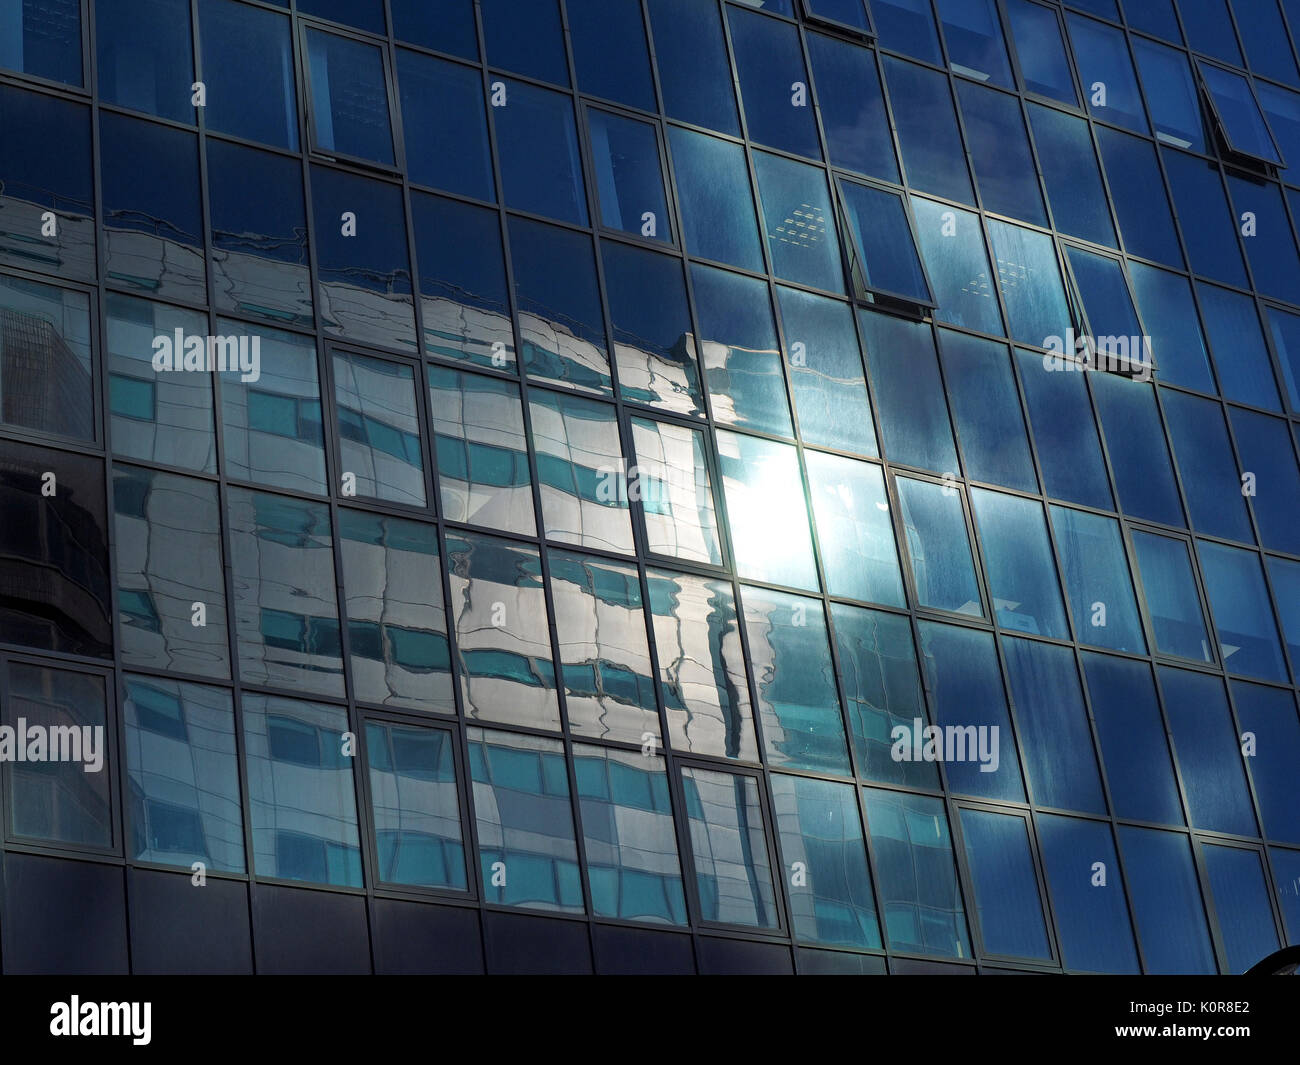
column 812, row 16
column 1144, row 368
column 587, row 155
column 1210, row 101
column 852, row 253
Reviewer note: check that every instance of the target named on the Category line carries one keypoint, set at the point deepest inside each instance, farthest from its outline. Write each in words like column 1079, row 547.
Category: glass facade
column 813, row 477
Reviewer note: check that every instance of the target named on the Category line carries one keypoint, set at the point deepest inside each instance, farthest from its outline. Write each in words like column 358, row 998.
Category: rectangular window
column 609, row 51
column 541, row 170
column 44, row 41
column 1241, row 897
column 629, row 175
column 907, row 26
column 691, row 53
column 1102, row 54
column 974, row 37
column 773, row 83
column 349, row 106
column 1266, row 451
column 999, row 148
column 1108, row 305
column 1009, row 911
column 1098, row 581
column 843, row 13
column 715, row 199
column 145, row 57
column 379, row 428
column 800, row 222
column 854, row 530
column 1044, row 68
column 450, row 152
column 248, row 71
column 1018, row 559
column 1209, row 29
column 1029, row 278
column 1234, row 583
column 443, row 25
column 882, row 248
column 1071, row 175
column 1270, row 247
column 1171, row 95
column 676, row 491
column 938, row 545
column 526, row 37
column 1169, row 314
column 952, row 244
column 1212, row 483
column 1170, row 593
column 1270, row 713
column 1167, row 904
column 1138, row 193
column 1241, row 122
column 1144, row 475
column 852, row 106
column 928, row 135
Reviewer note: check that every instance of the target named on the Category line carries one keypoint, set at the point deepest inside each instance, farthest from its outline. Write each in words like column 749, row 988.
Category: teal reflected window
column 952, row 243
column 851, row 508
column 1144, row 476
column 1008, row 909
column 524, row 817
column 1234, row 583
column 1029, row 276
column 379, row 428
column 938, row 546
column 1170, row 592
column 715, row 200
column 820, row 832
column 800, row 222
column 1097, row 580
column 676, row 491
column 1018, row 557
column 1166, row 900
column 1240, row 893
column 883, row 256
column 629, row 175
column 1269, row 714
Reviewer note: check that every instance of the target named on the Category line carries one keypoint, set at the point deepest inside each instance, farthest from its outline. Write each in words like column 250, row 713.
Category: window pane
column 364, row 269
column 1286, row 883
column 478, row 428
column 397, row 624
column 302, row 800
column 183, row 775
column 1112, row 319
column 654, row 341
column 852, row 107
column 1007, row 905
column 1143, row 474
column 1097, row 578
column 1043, row 64
column 628, row 838
column 849, row 12
column 1018, row 556
column 733, row 874
column 800, row 223
column 609, row 51
column 170, row 584
column 1282, row 110
column 1138, row 192
column 365, row 14
column 714, row 199
column 1169, row 314
column 937, row 544
column 1264, row 35
column 1241, row 901
column 1004, row 168
column 629, row 176
column 1154, row 16
column 502, row 636
column 740, row 352
column 1209, row 29
column 794, row 681
column 691, row 54
column 1071, row 175
column 821, row 834
column 1103, row 59
column 145, row 57
column 55, row 549
column 882, row 249
column 853, row 527
column 769, row 517
column 1265, row 448
column 1210, row 477
column 986, row 408
column 1234, row 582
column 676, row 491
column 1029, row 277
column 1211, row 243
column 769, row 64
column 974, row 38
column 917, row 874
column 1092, row 921
column 1240, row 352
column 379, row 428
column 248, row 71
column 1240, row 119
column 416, row 806
column 1285, row 576
column 527, row 852
column 701, row 668
column 1286, row 339
column 445, row 25
column 1170, row 592
column 349, row 97
column 452, row 152
column 952, row 243
column 1274, row 262
column 44, row 41
column 928, row 136
column 826, row 375
column 1053, row 723
column 541, row 171
column 609, row 688
column 1270, row 715
column 1171, row 94
column 525, row 36
column 1166, row 901
column 64, row 800
column 1132, row 736
column 907, row 26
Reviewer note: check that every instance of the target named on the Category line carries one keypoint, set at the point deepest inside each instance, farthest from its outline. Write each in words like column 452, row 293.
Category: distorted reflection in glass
column 379, row 428
column 676, row 491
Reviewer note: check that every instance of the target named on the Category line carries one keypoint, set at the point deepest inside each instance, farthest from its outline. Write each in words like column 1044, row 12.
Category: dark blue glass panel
column 1212, row 241
column 1285, row 328
column 349, row 97
column 1240, row 352
column 928, row 135
column 773, row 83
column 629, row 175
column 541, row 169
column 1155, row 17
column 1007, row 904
column 1209, row 29
column 909, row 392
column 1143, row 474
column 1104, row 8
column 973, row 35
column 145, row 57
column 43, row 40
column 524, row 36
column 1043, row 63
column 444, row 25
column 1266, row 451
column 1274, row 263
column 1282, row 109
column 986, row 409
column 716, row 204
column 1264, row 35
column 1106, row 71
column 1208, row 751
column 1132, row 736
column 691, row 54
column 1019, row 565
column 1170, row 592
column 452, row 152
column 1097, row 579
column 1169, row 314
column 1285, row 576
column 1234, row 583
column 999, row 148
column 852, row 107
column 1171, row 95
column 952, row 243
column 1209, row 472
column 364, row 14
column 1112, row 319
column 883, row 255
column 1286, row 882
column 1091, row 916
column 907, row 26
column 1029, row 277
column 1270, row 715
column 1070, row 172
column 849, row 12
column 609, row 51
column 799, row 221
column 248, row 71
column 1139, row 195
column 1166, row 901
column 1240, row 895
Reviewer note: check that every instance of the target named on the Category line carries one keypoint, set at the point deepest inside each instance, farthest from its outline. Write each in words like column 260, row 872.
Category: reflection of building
column 42, row 382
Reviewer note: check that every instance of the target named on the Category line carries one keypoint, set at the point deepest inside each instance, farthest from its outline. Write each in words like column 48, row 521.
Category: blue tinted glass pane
column 770, row 66
column 974, row 37
column 1070, row 172
column 916, row 871
column 1139, row 195
column 1209, row 473
column 1132, row 736
column 629, row 176
column 44, row 40
column 1170, row 593
column 444, row 25
column 909, row 393
column 1212, row 241
column 1274, row 263
column 1104, row 8
column 1018, row 556
column 1166, row 901
column 952, row 243
column 928, row 135
column 1069, row 451
column 451, row 153
column 830, row 386
column 1209, row 29
column 1092, row 920
column 986, row 408
column 691, row 54
column 1270, row 714
column 1053, row 726
column 884, row 256
column 1240, row 352
column 1208, row 752
column 821, row 830
column 853, row 528
column 799, row 221
column 877, row 663
column 349, row 97
column 525, row 36
column 145, row 57
column 1102, row 55
column 935, row 528
column 1037, row 37
column 1286, row 882
column 1155, row 17
column 1285, row 576
column 769, row 518
column 609, row 51
column 970, row 706
column 715, row 202
column 538, row 146
column 1169, row 315
column 1282, row 109
column 1097, row 579
column 364, row 14
column 1143, row 475
column 1171, row 94
column 1007, row 905
column 1285, row 328
column 1264, row 35
column 850, row 12
column 794, row 681
column 852, row 107
column 739, row 349
column 907, row 26
column 1265, row 449
column 1240, row 895
column 1108, row 305
column 1234, row 582
column 999, row 148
